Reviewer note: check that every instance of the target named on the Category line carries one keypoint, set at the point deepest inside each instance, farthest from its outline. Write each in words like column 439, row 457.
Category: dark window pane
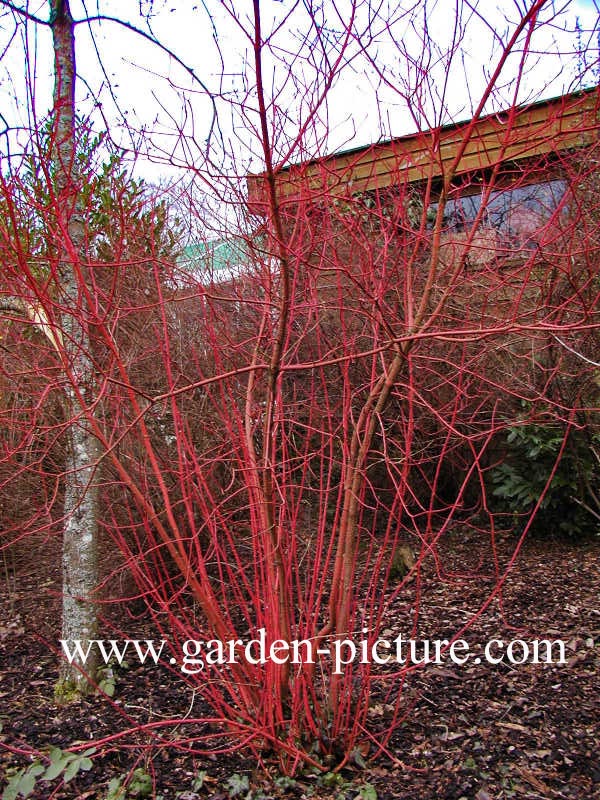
column 518, row 213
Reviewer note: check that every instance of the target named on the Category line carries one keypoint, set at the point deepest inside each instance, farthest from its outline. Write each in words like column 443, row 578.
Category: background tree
column 79, row 242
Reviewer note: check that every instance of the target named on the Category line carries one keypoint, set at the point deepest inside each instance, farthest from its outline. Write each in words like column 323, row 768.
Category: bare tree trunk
column 80, row 536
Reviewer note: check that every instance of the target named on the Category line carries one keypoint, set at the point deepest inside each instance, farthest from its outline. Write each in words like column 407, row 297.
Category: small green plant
column 116, row 790
column 62, row 764
column 342, row 788
column 107, row 677
column 285, row 782
column 568, row 506
column 23, row 782
column 237, row 784
column 106, row 680
column 199, row 780
column 367, row 792
column 138, row 785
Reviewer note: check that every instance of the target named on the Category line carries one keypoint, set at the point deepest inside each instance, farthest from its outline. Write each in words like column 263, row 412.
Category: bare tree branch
column 23, row 13
column 575, row 352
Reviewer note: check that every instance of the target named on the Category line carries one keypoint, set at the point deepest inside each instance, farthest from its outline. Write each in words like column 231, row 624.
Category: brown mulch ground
column 475, row 732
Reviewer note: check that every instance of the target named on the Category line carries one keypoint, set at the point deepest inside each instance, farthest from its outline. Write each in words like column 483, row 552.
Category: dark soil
column 477, row 731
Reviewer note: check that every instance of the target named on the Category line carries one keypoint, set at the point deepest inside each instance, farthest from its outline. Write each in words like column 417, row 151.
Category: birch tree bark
column 80, row 536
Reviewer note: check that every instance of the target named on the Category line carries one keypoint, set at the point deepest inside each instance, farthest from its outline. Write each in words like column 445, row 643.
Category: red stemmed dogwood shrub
column 349, row 395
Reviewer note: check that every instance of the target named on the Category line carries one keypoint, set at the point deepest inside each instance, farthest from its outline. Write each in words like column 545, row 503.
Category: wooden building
column 523, row 137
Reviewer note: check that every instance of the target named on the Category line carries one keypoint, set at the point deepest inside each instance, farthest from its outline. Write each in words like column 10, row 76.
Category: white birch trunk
column 80, row 535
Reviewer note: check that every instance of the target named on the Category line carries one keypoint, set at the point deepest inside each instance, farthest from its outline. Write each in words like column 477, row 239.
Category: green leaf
column 115, row 789
column 198, row 781
column 57, row 766
column 358, row 759
column 55, row 754
column 108, row 687
column 141, row 783
column 330, row 779
column 367, row 792
column 11, row 790
column 36, row 769
column 236, row 784
column 27, row 784
column 71, row 770
column 285, row 782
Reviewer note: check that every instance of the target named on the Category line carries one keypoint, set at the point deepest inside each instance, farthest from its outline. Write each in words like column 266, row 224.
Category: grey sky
column 150, row 102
